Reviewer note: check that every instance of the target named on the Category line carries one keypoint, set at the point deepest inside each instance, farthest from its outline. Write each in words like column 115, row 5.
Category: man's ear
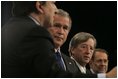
column 39, row 7
column 71, row 50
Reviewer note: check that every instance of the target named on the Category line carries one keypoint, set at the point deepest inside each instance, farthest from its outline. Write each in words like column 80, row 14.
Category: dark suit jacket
column 26, row 48
column 70, row 64
column 72, row 67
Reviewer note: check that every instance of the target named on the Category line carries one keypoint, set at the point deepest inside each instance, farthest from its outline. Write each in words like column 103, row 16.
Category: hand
column 112, row 73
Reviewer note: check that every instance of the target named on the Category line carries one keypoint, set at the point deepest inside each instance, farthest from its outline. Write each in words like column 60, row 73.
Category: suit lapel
column 88, row 71
column 69, row 63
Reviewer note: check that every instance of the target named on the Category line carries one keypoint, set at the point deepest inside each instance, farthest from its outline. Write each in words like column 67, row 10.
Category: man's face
column 60, row 30
column 100, row 62
column 49, row 10
column 83, row 52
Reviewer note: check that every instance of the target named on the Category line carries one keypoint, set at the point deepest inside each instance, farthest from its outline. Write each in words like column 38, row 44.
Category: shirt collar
column 80, row 67
column 57, row 50
column 34, row 20
column 92, row 71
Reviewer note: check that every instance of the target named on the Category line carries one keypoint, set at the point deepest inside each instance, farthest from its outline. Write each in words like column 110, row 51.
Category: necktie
column 59, row 60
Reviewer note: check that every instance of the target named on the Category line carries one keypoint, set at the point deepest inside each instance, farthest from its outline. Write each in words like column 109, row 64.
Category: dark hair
column 99, row 50
column 22, row 8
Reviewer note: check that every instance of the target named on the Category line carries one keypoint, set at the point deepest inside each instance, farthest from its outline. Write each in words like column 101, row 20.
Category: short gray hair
column 63, row 13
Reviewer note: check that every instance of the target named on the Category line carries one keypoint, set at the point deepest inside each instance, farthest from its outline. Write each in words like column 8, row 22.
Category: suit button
column 70, row 63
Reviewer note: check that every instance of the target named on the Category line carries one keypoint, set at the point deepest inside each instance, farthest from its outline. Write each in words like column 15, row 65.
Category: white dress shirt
column 83, row 70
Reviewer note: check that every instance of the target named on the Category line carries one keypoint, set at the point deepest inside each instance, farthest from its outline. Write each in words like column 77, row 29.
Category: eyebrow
column 87, row 45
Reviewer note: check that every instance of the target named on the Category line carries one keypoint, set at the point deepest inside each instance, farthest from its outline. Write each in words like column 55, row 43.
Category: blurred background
column 96, row 17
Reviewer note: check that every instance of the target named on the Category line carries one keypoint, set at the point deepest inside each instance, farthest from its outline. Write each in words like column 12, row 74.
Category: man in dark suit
column 99, row 61
column 27, row 47
column 59, row 32
column 81, row 49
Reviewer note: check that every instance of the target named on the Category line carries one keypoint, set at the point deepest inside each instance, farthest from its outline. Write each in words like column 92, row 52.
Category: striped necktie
column 59, row 60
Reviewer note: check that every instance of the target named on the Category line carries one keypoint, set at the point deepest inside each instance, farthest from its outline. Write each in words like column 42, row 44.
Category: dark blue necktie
column 59, row 60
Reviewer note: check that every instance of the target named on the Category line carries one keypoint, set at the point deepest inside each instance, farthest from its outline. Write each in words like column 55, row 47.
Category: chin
column 87, row 61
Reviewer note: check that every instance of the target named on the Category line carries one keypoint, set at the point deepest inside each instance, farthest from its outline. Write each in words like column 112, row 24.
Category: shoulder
column 65, row 57
column 20, row 27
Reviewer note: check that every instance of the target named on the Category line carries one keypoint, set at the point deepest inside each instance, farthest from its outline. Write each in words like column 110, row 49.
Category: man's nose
column 88, row 50
column 103, row 63
column 61, row 30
